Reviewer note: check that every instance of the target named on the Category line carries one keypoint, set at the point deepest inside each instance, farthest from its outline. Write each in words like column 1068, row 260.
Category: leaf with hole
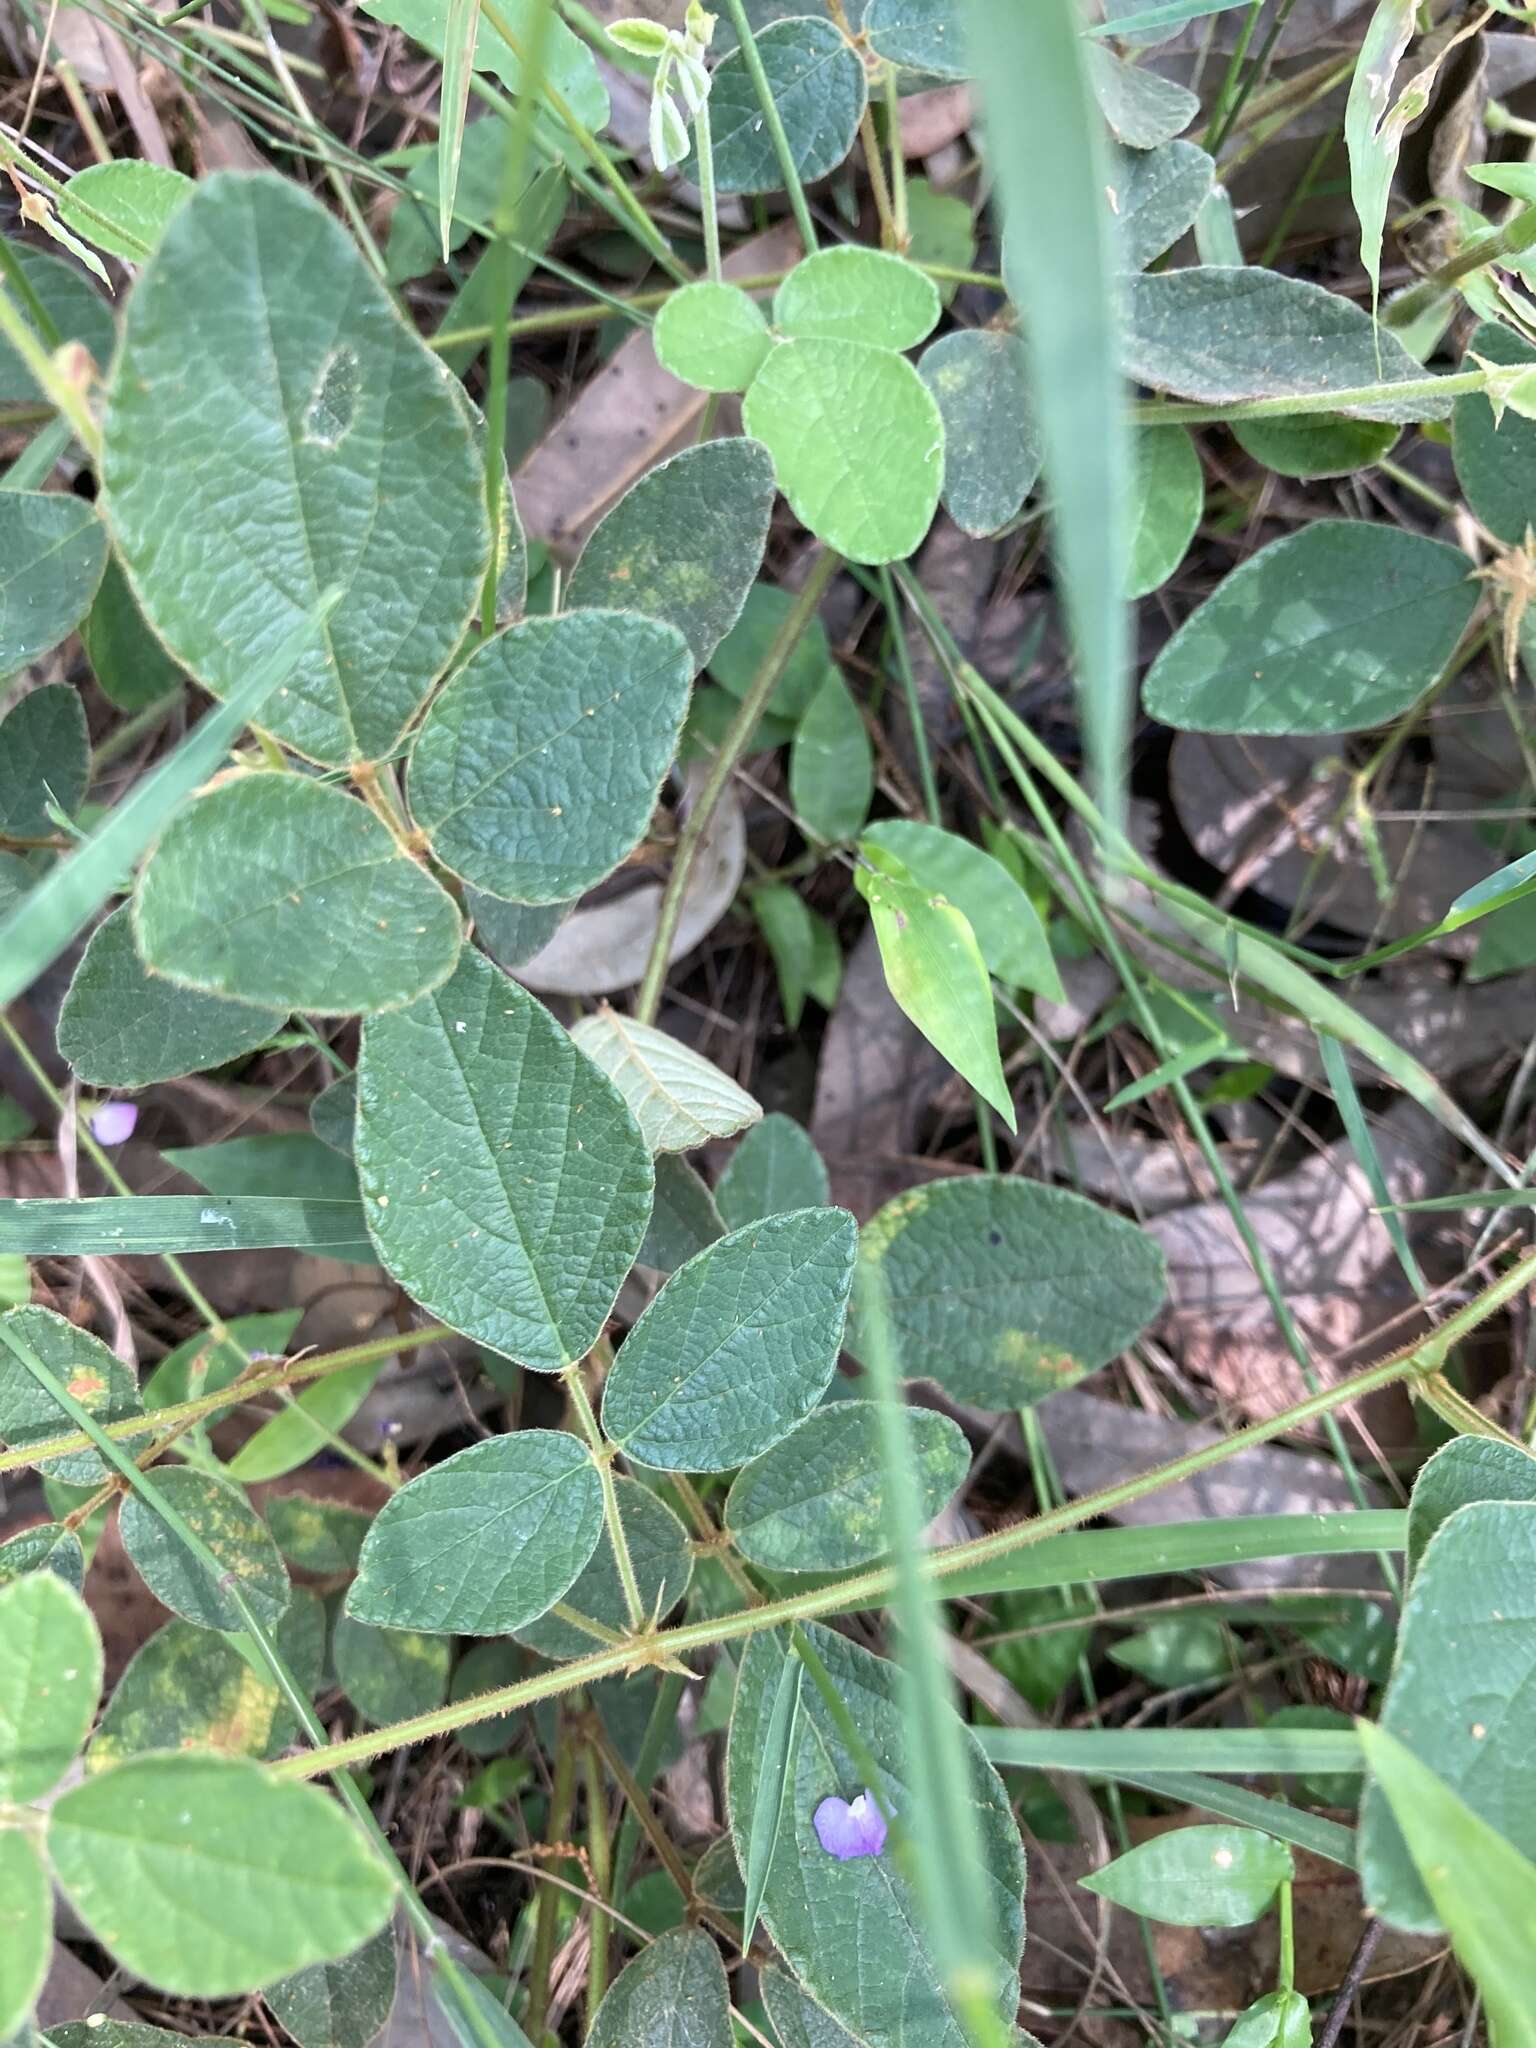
column 831, row 764
column 83, row 1366
column 662, row 1557
column 775, row 1167
column 478, row 1202
column 673, row 1992
column 50, row 1679
column 979, row 379
column 1165, row 510
column 227, row 1525
column 1007, row 926
column 738, row 1346
column 920, row 35
column 53, row 549
column 819, row 88
column 713, row 336
column 679, row 1099
column 123, row 207
column 1198, row 1877
column 849, row 293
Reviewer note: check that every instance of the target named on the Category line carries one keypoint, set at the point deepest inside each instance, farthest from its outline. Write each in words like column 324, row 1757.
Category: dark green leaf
column 52, row 552
column 831, row 764
column 1467, row 1469
column 922, row 35
column 1320, row 447
column 77, row 310
column 512, row 933
column 774, row 1168
column 979, row 378
column 390, row 1674
column 343, row 2004
column 322, row 1536
column 204, row 1365
column 333, row 1112
column 127, row 660
column 797, row 2020
column 684, row 1219
column 229, row 1527
column 1496, row 458
column 804, row 948
column 45, row 1547
column 819, row 88
column 673, row 1993
column 1198, row 1877
column 270, row 1163
column 662, row 1557
column 45, row 755
column 483, row 1668
column 1157, row 193
column 50, row 1677
column 1169, row 499
column 83, row 1365
column 737, row 660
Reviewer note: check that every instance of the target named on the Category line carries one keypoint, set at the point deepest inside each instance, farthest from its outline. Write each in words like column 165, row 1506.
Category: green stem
column 1287, row 1970
column 66, row 398
column 598, row 1847
column 914, row 703
column 562, row 1800
column 602, row 1458
column 1516, row 234
column 789, row 170
column 709, row 212
column 1163, row 412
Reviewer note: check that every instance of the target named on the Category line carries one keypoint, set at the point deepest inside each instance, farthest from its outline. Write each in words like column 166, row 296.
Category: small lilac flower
column 113, row 1123
column 846, row 1830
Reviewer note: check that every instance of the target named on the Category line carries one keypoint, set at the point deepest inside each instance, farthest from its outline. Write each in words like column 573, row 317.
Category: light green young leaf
column 1281, row 2019
column 857, row 442
column 979, row 378
column 738, row 1346
column 484, row 1542
column 306, row 1426
column 819, row 87
column 831, row 764
column 816, row 1501
column 461, row 31
column 229, row 1527
column 53, row 549
column 322, row 911
column 1197, row 1877
column 920, row 35
column 1143, row 109
column 141, row 1850
column 1467, row 1469
column 849, row 293
column 77, row 310
column 775, row 1167
column 1008, row 930
column 122, row 1027
column 390, row 1674
column 1335, row 628
column 804, row 948
column 662, row 1556
column 673, row 1992
column 713, row 336
column 1156, row 195
column 26, row 1914
column 508, row 759
column 332, row 452
column 124, row 207
column 45, row 759
column 343, row 2004
column 50, row 1679
column 83, row 1365
column 1002, row 1290
column 1483, row 1890
column 935, row 970
column 1169, row 499
column 679, row 1099
column 477, row 1202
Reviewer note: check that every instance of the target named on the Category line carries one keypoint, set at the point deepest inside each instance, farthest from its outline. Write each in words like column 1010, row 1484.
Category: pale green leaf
column 662, row 1557
column 77, row 310
column 26, row 1925
column 1321, row 446
column 45, row 1547
column 1155, row 196
column 1166, row 507
column 776, row 1167
column 321, row 912
column 484, row 1542
column 921, row 35
column 1467, row 1469
column 941, row 229
column 1008, row 930
column 461, row 29
column 1143, row 108
column 305, row 1426
column 123, row 207
column 390, row 1674
column 83, row 1366
column 1003, row 1290
column 144, row 1850
column 849, row 293
column 738, row 1346
column 1336, row 627
column 52, row 552
column 819, row 88
column 343, row 2004
column 50, row 1678
column 1197, row 1877
column 816, row 1501
column 679, row 1099
column 684, row 1219
column 979, row 378
column 45, row 760
column 673, row 1993
column 229, row 1527
column 713, row 336
column 804, row 948
column 478, row 1201
column 1281, row 2019
column 857, row 442
column 831, row 764
column 274, row 429
column 323, row 1536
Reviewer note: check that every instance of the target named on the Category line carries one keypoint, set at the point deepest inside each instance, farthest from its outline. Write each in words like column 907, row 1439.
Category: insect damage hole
column 331, row 410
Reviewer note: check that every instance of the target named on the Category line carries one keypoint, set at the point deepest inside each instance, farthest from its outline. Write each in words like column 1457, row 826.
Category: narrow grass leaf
column 460, row 31
column 1309, row 1831
column 1242, row 1751
column 1169, row 14
column 1358, row 1131
column 119, row 1226
column 774, row 1783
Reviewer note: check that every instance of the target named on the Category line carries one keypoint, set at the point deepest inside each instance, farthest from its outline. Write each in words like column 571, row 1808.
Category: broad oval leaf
column 1467, row 1469
column 512, row 933
column 919, row 35
column 321, row 912
column 1008, row 930
column 713, row 336
column 536, row 770
column 979, row 378
column 45, row 1547
column 831, row 764
column 1156, row 195
column 1281, row 2019
column 662, row 1556
column 341, row 2004
column 124, row 207
column 84, row 1367
column 53, row 549
column 45, row 760
column 852, row 1931
column 77, row 310
column 390, row 1674
column 142, row 1850
column 1335, row 628
column 673, row 1992
column 1496, row 458
column 274, row 430
column 122, row 1027
column 26, row 1914
column 1198, row 1877
column 229, row 1527
column 816, row 1501
column 849, row 293
column 50, row 1680
column 484, row 1542
column 819, row 88
column 1003, row 1290
column 739, row 657
column 775, row 1167
column 1320, row 446
column 1169, row 499
column 133, row 669
column 1143, row 109
column 323, row 1536
column 684, row 544
column 679, row 1099
column 737, row 1347
column 857, row 441
column 506, row 1184
column 797, row 2020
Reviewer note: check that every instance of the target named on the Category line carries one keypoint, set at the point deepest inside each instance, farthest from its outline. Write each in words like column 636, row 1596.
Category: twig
column 1354, row 1977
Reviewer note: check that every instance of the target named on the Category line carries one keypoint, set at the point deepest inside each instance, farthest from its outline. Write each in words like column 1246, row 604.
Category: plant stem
column 66, row 398
column 709, row 212
column 562, row 1799
column 598, row 1846
column 789, row 170
column 1164, row 412
column 723, row 767
column 602, row 1458
column 1516, row 234
column 898, row 160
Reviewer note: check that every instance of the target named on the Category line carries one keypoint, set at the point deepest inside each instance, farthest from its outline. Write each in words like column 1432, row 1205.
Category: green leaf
column 935, row 970
column 122, row 1027
column 477, row 1201
column 662, row 1557
column 684, row 1219
column 306, row 1426
column 188, row 1688
column 736, row 661
column 1273, row 1749
column 1281, row 2019
column 776, row 1167
column 83, row 1365
column 685, row 543
column 484, row 1542
column 322, row 912
column 884, row 1987
column 77, row 310
column 1337, row 627
column 1496, row 458
column 856, row 440
column 45, row 1547
column 775, row 1783
column 816, row 1502
column 415, row 231
column 1157, row 194
column 45, row 759
column 679, row 1099
column 461, row 29
column 203, row 1365
column 317, row 1535
column 50, row 1678
column 819, row 88
column 1466, row 1653
column 26, row 1915
column 849, row 293
column 941, row 229
column 1003, row 1290
column 979, row 378
column 142, row 1850
column 390, row 1674
column 1468, row 1469
column 1008, row 930
column 119, row 1225
column 342, row 2004
column 53, row 549
column 485, row 1667
column 1143, row 108
column 1218, row 334
column 1141, row 17
column 1483, row 1890
column 512, row 933
column 831, row 764
column 123, row 208
column 511, row 753
column 274, row 429
column 1169, row 499
column 797, row 2020
column 268, row 1163
column 713, row 336
column 673, row 1992
column 804, row 948
column 229, row 1527
column 922, row 35
column 738, row 1346
column 568, row 65
column 333, row 1112
column 1197, row 1877
column 1314, row 448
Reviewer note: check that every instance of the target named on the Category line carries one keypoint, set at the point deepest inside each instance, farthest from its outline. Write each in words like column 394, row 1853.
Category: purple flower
column 848, row 1830
column 113, row 1123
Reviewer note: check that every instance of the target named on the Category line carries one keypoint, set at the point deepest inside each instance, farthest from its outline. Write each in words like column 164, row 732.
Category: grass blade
column 773, row 1789
column 1249, row 1809
column 1169, row 14
column 459, row 33
column 123, row 1225
column 1241, row 1751
column 1358, row 1132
